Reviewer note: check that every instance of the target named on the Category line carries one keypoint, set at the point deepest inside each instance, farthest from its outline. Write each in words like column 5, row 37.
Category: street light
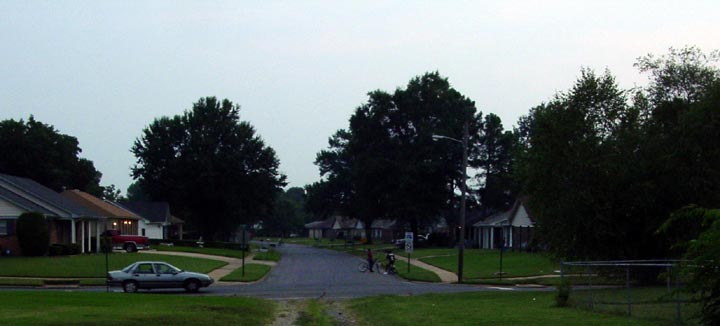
column 463, row 190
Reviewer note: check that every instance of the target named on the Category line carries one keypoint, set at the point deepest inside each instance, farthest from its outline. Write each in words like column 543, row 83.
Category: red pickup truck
column 129, row 243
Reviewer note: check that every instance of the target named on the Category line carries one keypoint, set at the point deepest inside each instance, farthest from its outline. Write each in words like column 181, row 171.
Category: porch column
column 97, row 236
column 73, row 235
column 89, row 239
column 82, row 236
column 492, row 238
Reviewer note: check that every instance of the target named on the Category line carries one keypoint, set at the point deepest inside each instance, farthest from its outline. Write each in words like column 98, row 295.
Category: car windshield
column 128, row 269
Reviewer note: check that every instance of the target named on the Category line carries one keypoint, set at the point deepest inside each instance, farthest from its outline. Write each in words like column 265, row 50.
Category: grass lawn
column 81, row 308
column 208, row 251
column 314, row 314
column 253, row 272
column 19, row 281
column 654, row 303
column 480, row 308
column 485, row 263
column 93, row 266
column 416, row 273
column 269, row 255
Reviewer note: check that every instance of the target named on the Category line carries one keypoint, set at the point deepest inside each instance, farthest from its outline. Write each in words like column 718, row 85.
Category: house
column 68, row 221
column 156, row 221
column 114, row 216
column 348, row 228
column 509, row 229
column 320, row 229
column 384, row 230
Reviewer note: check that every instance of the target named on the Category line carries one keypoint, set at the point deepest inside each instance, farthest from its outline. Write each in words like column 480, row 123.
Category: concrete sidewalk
column 217, row 274
column 445, row 276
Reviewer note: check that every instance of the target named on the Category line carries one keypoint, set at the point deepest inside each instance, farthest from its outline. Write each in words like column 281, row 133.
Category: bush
column 61, row 249
column 33, row 235
column 563, row 293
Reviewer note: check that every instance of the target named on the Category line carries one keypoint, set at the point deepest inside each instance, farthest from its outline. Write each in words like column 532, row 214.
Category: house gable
column 521, row 217
column 9, row 210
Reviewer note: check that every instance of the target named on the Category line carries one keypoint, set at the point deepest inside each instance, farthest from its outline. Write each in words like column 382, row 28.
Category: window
column 144, row 269
column 3, row 227
column 143, row 232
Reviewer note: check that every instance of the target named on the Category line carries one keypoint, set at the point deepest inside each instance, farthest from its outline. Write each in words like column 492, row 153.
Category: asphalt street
column 308, row 272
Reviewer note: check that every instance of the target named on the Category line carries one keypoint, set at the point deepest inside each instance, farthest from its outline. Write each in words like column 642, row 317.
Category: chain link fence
column 648, row 289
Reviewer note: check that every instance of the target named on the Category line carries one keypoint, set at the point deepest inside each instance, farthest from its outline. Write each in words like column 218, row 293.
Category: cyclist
column 370, row 260
column 390, row 258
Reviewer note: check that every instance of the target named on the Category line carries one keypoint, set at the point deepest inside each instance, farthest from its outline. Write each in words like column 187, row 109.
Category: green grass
column 208, row 251
column 269, row 255
column 82, row 308
column 416, row 273
column 89, row 266
column 19, row 281
column 652, row 303
column 480, row 308
column 479, row 264
column 314, row 314
column 253, row 272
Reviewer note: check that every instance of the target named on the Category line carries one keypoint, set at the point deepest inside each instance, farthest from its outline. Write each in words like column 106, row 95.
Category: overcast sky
column 103, row 70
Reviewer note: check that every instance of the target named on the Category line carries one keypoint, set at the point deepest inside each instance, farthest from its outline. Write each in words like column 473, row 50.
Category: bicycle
column 363, row 267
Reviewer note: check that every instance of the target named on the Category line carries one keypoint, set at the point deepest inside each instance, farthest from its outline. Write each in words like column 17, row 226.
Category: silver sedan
column 157, row 275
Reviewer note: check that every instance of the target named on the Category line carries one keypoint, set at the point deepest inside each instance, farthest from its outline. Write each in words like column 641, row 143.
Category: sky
column 101, row 71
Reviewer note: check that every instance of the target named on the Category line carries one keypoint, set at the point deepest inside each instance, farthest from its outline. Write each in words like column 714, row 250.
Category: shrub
column 33, row 235
column 56, row 249
column 563, row 293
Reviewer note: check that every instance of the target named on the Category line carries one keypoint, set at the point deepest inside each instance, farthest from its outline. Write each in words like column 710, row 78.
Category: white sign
column 408, row 242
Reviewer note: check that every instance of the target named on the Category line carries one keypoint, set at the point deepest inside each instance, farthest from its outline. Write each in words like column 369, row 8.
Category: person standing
column 370, row 260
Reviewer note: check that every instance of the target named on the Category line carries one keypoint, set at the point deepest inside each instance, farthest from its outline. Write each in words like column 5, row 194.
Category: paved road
column 307, row 272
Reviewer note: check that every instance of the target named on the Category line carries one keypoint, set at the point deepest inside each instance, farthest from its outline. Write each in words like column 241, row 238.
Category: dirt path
column 288, row 312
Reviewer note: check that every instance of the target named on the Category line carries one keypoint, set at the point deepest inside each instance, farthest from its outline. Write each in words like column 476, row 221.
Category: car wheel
column 192, row 286
column 130, row 286
column 130, row 247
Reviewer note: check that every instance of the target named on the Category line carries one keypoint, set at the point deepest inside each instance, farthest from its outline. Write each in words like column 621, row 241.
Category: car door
column 145, row 275
column 167, row 276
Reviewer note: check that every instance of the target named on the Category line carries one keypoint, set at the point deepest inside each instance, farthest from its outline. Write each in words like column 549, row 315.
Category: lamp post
column 463, row 191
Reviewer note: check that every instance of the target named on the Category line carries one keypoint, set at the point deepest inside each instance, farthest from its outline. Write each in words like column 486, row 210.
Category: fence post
column 627, row 285
column 588, row 270
column 678, row 313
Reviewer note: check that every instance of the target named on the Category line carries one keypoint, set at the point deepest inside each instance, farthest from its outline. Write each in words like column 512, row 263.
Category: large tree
column 603, row 172
column 494, row 160
column 38, row 151
column 210, row 166
column 386, row 164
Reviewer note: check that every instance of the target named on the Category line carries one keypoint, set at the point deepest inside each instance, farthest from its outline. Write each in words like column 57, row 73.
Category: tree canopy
column 37, row 151
column 386, row 164
column 210, row 166
column 604, row 167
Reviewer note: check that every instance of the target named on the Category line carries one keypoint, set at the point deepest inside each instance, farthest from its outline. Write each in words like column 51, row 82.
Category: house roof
column 155, row 212
column 383, row 224
column 325, row 224
column 98, row 205
column 35, row 197
column 503, row 218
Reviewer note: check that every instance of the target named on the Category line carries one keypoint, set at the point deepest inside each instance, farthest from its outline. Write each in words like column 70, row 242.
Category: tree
column 579, row 172
column 210, row 166
column 603, row 173
column 37, row 151
column 135, row 193
column 386, row 165
column 33, row 235
column 494, row 159
column 111, row 193
column 702, row 248
column 288, row 215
